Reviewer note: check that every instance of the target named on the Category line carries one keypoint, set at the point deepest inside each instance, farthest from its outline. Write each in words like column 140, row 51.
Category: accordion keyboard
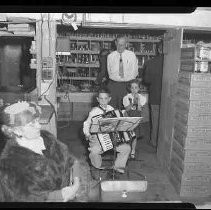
column 105, row 141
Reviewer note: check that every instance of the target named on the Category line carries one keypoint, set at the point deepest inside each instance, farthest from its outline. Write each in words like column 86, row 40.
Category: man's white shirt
column 130, row 66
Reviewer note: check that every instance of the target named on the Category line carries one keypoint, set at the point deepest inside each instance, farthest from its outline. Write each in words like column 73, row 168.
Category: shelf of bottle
column 84, row 52
column 97, row 52
column 91, row 65
column 78, row 52
column 108, row 39
column 145, row 53
column 83, row 65
column 77, row 78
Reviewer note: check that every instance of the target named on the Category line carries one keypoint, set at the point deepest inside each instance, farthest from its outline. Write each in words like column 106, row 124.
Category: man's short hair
column 104, row 90
column 121, row 37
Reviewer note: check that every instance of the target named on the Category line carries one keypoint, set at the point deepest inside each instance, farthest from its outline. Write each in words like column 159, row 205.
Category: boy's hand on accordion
column 91, row 138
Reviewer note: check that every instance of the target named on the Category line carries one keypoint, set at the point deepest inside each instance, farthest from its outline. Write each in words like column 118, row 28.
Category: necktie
column 121, row 70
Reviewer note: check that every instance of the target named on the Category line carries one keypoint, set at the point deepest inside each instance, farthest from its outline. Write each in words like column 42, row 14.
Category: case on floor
column 122, row 190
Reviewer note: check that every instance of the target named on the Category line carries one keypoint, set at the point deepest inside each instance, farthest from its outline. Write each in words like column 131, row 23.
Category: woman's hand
column 69, row 192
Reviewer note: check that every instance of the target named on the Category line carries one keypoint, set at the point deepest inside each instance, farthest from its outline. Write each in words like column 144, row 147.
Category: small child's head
column 103, row 97
column 134, row 86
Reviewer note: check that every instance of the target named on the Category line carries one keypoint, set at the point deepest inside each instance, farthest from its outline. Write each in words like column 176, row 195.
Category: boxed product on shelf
column 95, row 46
column 191, row 142
column 188, row 188
column 193, row 179
column 194, row 66
column 191, row 155
column 193, row 118
column 197, row 52
column 195, row 93
column 194, row 79
column 196, row 191
column 190, row 167
column 194, row 131
column 25, row 27
column 63, row 44
column 195, row 107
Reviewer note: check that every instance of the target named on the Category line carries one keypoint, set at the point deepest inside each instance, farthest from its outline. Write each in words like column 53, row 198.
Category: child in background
column 123, row 150
column 134, row 103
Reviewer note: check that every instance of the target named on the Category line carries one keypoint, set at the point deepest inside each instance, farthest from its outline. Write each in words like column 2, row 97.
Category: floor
column 158, row 189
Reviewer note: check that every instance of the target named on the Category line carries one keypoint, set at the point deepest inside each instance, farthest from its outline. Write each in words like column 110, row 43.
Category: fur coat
column 27, row 176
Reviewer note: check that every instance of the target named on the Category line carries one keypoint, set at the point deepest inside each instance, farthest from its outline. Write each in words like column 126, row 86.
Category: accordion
column 109, row 140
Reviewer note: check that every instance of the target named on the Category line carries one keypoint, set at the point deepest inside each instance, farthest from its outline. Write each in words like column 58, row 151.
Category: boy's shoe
column 95, row 173
column 99, row 173
column 119, row 170
column 112, row 174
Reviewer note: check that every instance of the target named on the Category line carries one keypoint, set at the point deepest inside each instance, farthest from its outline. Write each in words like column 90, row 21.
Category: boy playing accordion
column 95, row 148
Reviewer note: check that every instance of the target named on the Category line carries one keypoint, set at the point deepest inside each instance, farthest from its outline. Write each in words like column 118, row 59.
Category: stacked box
column 195, row 59
column 194, row 66
column 190, row 164
column 65, row 111
column 197, row 52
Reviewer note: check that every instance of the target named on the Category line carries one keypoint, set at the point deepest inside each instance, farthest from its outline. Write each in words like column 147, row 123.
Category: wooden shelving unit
column 80, row 52
column 108, row 39
column 77, row 55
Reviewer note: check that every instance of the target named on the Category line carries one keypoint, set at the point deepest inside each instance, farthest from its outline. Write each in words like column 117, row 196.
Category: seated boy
column 123, row 150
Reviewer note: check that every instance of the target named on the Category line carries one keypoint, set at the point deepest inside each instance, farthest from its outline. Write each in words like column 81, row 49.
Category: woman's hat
column 20, row 113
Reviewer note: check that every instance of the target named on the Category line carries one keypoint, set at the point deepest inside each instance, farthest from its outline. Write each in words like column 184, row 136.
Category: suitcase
column 122, row 190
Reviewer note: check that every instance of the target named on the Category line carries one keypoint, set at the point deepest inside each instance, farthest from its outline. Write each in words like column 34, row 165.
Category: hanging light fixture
column 70, row 19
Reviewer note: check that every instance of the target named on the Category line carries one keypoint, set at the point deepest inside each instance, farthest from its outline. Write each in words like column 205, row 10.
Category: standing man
column 103, row 74
column 153, row 73
column 122, row 66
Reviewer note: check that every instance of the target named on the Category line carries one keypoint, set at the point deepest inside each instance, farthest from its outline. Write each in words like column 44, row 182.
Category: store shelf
column 84, row 51
column 145, row 53
column 78, row 78
column 80, row 65
column 109, row 39
column 144, row 40
column 84, row 65
column 97, row 52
